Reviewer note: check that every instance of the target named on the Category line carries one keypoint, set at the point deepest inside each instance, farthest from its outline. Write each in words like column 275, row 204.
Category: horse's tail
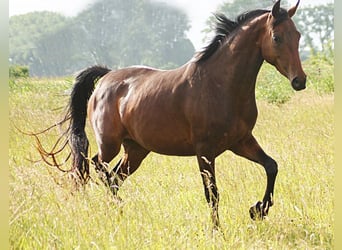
column 77, row 111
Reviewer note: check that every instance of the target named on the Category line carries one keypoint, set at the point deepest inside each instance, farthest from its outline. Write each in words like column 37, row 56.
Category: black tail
column 77, row 112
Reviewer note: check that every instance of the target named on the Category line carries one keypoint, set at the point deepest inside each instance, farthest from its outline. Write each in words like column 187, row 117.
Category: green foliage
column 25, row 32
column 320, row 71
column 272, row 86
column 111, row 32
column 316, row 24
column 18, row 71
column 163, row 205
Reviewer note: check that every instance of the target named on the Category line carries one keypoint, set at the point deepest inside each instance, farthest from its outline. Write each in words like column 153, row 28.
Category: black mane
column 225, row 27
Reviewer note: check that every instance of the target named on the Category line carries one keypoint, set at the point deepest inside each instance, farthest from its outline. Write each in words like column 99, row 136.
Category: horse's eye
column 276, row 39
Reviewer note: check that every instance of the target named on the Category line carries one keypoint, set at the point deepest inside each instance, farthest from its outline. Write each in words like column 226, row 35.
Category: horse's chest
column 222, row 122
column 234, row 131
column 226, row 132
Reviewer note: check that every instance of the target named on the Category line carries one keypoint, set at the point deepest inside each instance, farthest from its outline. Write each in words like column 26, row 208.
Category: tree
column 167, row 26
column 59, row 52
column 136, row 32
column 26, row 30
column 112, row 32
column 316, row 25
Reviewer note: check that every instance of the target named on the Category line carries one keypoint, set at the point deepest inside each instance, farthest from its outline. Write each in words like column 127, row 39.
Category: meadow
column 163, row 204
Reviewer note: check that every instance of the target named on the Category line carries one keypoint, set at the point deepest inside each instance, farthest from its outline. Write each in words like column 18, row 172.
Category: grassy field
column 163, row 203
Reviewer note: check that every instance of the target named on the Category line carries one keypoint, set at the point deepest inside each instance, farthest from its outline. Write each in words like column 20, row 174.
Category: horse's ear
column 276, row 9
column 293, row 9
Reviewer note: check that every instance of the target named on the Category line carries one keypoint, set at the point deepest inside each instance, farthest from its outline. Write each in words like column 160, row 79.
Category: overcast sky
column 197, row 10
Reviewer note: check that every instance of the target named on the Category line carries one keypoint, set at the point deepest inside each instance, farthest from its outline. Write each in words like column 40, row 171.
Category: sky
column 198, row 11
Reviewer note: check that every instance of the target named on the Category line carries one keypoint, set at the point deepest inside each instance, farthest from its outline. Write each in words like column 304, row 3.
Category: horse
column 203, row 108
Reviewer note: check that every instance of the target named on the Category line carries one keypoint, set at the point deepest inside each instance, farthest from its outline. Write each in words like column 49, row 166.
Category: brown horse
column 203, row 108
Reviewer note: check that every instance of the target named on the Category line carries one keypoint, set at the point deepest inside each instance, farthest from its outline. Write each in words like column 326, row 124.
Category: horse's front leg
column 207, row 169
column 250, row 149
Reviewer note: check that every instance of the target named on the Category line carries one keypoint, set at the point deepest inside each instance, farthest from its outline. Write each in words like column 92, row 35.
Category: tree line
column 122, row 33
column 111, row 32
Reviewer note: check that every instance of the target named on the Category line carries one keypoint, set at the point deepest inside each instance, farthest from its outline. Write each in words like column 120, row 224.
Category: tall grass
column 163, row 205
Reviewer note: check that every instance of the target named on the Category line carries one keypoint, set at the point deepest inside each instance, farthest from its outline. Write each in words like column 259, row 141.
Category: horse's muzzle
column 298, row 83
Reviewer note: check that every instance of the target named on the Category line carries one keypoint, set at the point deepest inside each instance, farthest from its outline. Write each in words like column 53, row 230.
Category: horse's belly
column 176, row 150
column 167, row 135
column 168, row 142
column 178, row 139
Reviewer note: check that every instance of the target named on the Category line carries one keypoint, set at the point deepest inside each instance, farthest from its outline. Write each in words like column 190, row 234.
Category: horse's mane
column 226, row 27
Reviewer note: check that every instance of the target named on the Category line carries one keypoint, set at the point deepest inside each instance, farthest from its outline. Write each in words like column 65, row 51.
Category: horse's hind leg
column 101, row 160
column 133, row 156
column 101, row 169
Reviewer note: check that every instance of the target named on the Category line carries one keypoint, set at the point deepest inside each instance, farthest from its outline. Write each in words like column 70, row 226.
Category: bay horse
column 202, row 108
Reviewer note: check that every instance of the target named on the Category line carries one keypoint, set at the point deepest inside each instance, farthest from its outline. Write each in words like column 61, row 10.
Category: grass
column 163, row 203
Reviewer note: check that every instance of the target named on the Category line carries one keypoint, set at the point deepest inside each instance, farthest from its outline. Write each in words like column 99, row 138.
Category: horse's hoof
column 257, row 211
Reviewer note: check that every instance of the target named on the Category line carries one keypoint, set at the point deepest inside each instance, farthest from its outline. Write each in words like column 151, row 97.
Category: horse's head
column 280, row 45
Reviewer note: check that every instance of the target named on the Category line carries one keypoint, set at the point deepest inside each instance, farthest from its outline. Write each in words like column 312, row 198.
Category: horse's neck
column 239, row 61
